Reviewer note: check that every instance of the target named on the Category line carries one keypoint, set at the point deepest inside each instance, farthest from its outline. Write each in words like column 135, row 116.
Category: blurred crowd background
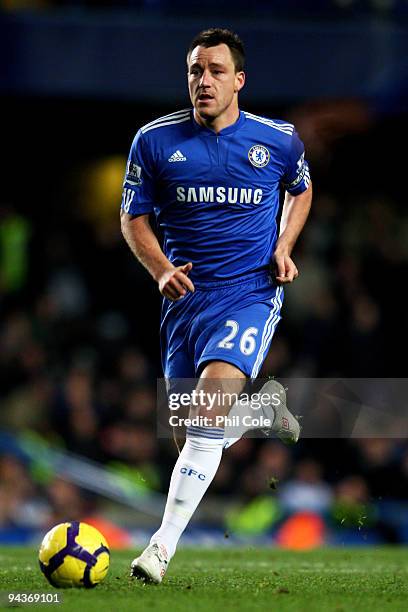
column 332, row 8
column 79, row 344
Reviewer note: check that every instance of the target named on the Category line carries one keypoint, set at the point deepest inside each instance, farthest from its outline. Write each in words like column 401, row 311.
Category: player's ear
column 239, row 80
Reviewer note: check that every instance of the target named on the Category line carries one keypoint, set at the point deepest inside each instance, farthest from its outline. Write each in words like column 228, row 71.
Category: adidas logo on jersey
column 177, row 156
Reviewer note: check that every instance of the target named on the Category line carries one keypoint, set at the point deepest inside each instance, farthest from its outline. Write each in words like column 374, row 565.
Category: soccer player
column 212, row 177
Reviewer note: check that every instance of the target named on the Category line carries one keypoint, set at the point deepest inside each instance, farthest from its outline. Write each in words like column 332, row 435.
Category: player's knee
column 221, row 370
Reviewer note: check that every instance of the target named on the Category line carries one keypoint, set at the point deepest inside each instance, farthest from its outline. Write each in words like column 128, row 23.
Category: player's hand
column 285, row 268
column 174, row 283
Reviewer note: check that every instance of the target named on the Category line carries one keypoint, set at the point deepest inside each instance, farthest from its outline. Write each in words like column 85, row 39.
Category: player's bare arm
column 294, row 214
column 173, row 280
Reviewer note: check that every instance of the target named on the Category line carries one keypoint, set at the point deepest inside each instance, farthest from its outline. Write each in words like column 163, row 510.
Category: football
column 74, row 555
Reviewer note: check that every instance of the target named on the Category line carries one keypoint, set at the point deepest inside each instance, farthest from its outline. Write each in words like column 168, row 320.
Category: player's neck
column 217, row 124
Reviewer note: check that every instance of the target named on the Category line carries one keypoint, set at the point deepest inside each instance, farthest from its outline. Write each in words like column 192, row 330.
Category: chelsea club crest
column 259, row 156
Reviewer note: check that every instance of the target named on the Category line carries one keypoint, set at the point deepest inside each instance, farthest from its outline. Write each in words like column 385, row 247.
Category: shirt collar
column 230, row 129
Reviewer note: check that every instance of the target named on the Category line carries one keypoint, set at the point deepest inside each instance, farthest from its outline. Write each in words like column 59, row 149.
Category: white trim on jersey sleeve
column 286, row 128
column 166, row 118
column 165, row 124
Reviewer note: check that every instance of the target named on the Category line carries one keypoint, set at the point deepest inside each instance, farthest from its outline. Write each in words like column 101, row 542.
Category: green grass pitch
column 327, row 580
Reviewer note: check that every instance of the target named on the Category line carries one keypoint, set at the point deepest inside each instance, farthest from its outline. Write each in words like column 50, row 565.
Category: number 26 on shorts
column 247, row 341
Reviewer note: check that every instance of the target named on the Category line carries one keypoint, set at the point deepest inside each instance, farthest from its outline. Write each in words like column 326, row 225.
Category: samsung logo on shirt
column 221, row 195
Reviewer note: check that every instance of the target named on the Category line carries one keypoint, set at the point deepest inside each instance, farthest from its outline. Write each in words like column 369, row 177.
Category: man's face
column 212, row 80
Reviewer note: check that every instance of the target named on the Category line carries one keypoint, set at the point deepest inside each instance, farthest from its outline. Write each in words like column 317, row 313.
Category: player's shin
column 235, row 425
column 194, row 470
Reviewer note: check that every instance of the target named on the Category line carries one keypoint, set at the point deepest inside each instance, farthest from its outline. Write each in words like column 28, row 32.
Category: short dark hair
column 217, row 36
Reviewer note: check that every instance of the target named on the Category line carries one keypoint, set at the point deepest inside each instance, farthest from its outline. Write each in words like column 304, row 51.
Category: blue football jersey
column 215, row 196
